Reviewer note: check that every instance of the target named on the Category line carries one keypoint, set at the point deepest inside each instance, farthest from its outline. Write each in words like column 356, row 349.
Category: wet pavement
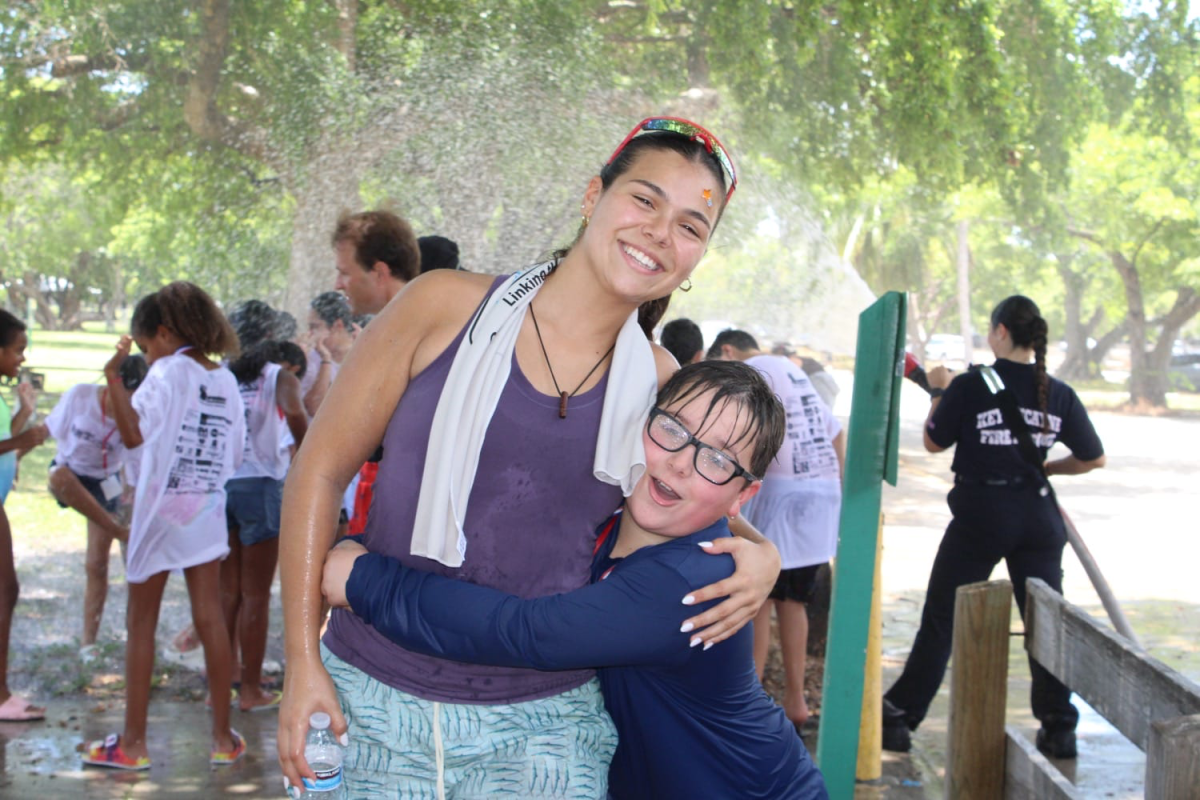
column 1138, row 517
column 38, row 759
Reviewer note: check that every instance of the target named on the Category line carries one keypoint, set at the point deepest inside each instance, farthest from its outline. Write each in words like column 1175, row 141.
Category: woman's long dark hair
column 1027, row 328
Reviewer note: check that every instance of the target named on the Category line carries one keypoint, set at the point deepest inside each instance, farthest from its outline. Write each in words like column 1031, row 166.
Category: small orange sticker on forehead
column 708, row 197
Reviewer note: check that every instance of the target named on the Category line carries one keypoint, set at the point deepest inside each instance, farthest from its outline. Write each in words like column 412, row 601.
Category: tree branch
column 200, row 105
column 1149, row 235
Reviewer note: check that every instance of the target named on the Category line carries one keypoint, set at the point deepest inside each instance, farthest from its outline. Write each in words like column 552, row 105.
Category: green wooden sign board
column 871, row 458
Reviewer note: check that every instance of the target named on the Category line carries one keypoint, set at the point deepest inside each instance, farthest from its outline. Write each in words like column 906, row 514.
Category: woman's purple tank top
column 530, row 527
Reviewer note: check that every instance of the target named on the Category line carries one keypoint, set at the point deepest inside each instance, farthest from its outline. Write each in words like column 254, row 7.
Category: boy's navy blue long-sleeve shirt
column 691, row 723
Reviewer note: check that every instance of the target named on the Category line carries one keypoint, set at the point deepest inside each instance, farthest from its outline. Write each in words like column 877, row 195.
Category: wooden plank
column 1028, row 775
column 978, row 691
column 1173, row 759
column 871, row 455
column 870, row 731
column 1128, row 687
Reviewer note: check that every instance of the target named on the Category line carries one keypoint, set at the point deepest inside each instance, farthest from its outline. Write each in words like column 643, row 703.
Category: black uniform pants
column 990, row 523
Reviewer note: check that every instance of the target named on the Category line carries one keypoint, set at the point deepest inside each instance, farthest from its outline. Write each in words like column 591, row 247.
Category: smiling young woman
column 516, row 480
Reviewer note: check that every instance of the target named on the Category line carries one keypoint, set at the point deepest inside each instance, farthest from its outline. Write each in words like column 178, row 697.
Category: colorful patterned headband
column 692, row 131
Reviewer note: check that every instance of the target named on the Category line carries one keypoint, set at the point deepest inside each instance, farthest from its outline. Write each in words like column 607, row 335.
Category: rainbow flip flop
column 223, row 759
column 107, row 752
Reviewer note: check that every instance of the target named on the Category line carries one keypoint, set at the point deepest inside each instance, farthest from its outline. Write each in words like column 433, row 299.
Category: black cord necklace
column 563, row 396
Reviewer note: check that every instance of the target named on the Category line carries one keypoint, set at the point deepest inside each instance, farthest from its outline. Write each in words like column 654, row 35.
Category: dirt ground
column 1138, row 517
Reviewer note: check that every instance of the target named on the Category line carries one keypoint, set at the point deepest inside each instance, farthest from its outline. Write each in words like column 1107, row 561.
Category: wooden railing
column 1155, row 707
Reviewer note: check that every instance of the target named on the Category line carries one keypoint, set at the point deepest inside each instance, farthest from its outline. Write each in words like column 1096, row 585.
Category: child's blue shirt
column 692, row 723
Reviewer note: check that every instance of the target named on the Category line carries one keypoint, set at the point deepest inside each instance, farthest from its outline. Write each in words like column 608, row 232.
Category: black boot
column 897, row 736
column 1055, row 743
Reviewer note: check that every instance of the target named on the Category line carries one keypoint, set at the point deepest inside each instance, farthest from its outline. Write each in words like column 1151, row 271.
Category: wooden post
column 1173, row 759
column 870, row 731
column 978, row 692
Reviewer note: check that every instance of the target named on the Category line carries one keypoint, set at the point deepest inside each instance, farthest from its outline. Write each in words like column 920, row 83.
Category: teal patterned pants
column 405, row 748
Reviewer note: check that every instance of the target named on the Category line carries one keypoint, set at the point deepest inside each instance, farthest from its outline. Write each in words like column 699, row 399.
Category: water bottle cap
column 319, row 720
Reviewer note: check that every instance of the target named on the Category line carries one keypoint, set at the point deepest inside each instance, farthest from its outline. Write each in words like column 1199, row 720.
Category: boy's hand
column 338, row 565
column 112, row 370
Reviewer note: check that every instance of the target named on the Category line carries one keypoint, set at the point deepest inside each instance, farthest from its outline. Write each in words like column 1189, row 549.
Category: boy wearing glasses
column 691, row 723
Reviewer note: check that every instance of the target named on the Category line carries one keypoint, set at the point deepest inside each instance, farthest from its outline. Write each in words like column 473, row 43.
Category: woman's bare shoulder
column 446, row 295
column 664, row 362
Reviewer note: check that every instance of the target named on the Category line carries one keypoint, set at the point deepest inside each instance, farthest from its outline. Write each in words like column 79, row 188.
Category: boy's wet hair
column 761, row 417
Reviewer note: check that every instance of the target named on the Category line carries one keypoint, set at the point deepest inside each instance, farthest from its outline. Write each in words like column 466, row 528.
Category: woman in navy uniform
column 1002, row 507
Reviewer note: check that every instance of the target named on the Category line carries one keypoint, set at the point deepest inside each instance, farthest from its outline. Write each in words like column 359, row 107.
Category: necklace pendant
column 562, row 405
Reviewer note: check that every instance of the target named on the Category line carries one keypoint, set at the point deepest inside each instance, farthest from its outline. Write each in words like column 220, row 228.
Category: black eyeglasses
column 710, row 463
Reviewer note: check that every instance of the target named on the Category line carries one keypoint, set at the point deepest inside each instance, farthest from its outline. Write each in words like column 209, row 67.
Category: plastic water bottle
column 324, row 757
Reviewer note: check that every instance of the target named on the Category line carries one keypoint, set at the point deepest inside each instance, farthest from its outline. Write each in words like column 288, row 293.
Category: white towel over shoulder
column 476, row 379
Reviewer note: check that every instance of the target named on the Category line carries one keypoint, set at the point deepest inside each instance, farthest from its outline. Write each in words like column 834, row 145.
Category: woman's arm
column 939, row 378
column 287, row 397
column 406, row 336
column 631, row 618
column 123, row 412
column 322, row 380
column 1070, row 465
column 757, row 568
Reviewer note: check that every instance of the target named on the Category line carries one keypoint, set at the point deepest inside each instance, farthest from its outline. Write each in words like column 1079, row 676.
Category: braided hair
column 1025, row 325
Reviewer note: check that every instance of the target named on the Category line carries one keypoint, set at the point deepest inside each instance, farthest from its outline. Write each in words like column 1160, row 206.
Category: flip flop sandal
column 18, row 709
column 275, row 695
column 107, row 752
column 223, row 759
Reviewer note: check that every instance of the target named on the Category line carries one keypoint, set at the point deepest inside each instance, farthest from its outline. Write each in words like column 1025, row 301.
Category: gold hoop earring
column 584, row 222
column 687, row 288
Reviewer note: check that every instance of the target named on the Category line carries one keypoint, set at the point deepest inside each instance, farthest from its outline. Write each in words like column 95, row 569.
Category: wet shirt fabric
column 969, row 415
column 530, row 527
column 88, row 441
column 799, row 505
column 193, row 429
column 266, row 453
column 8, row 461
column 691, row 723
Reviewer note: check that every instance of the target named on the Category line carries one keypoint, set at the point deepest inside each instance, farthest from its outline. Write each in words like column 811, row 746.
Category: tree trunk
column 1075, row 365
column 43, row 312
column 329, row 188
column 1187, row 305
column 1144, row 392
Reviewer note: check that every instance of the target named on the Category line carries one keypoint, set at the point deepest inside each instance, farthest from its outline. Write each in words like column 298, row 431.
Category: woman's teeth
column 640, row 257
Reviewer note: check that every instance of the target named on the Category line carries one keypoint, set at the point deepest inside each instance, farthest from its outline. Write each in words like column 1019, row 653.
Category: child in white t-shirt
column 85, row 476
column 188, row 427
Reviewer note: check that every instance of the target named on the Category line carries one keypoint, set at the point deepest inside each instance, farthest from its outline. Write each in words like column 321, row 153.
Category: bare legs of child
column 12, row 708
column 145, row 599
column 102, row 528
column 66, row 488
column 246, row 576
column 793, row 644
